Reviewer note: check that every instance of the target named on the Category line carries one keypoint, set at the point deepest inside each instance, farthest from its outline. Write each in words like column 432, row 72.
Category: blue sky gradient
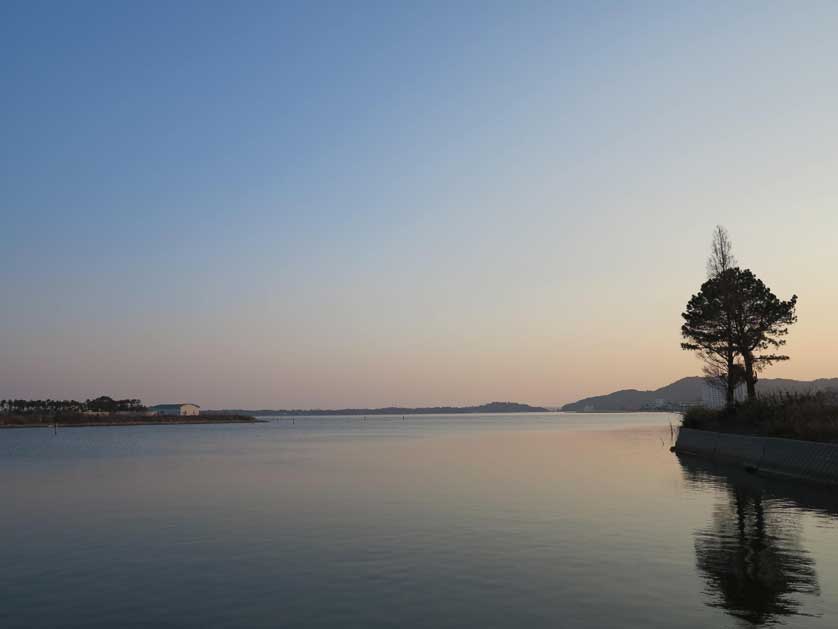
column 282, row 204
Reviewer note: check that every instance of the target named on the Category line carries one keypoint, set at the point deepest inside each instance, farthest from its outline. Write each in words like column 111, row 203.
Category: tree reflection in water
column 750, row 555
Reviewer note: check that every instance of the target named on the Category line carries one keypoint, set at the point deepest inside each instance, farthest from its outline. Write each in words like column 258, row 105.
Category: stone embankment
column 805, row 460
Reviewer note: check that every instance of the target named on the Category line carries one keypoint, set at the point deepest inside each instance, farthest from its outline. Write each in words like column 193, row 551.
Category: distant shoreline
column 492, row 407
column 22, row 421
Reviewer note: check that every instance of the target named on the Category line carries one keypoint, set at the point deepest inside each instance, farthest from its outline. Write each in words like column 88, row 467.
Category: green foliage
column 708, row 322
column 702, row 418
column 761, row 319
column 709, row 318
column 808, row 416
column 735, row 315
column 107, row 404
column 709, row 330
column 48, row 407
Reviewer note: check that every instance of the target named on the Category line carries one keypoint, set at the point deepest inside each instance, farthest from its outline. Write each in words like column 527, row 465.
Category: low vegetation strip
column 23, row 421
column 806, row 416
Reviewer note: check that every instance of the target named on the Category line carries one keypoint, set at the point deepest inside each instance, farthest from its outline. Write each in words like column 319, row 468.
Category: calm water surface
column 486, row 521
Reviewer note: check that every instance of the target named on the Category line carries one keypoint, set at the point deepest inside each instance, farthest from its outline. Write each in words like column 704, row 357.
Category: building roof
column 173, row 406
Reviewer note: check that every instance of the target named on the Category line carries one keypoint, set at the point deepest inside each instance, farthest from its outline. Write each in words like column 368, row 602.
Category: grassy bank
column 24, row 421
column 810, row 416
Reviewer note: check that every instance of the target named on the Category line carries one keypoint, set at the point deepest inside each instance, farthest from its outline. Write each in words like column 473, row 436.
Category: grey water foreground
column 482, row 521
column 803, row 460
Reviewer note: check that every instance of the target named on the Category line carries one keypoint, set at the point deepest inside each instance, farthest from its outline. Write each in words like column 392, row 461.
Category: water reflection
column 750, row 555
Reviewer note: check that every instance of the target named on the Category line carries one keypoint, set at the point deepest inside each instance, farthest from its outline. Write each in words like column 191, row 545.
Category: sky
column 274, row 205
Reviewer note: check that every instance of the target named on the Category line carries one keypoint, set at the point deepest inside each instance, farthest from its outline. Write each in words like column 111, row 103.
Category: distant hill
column 492, row 407
column 685, row 391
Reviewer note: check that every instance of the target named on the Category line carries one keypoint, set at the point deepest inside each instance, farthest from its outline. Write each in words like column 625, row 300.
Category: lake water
column 553, row 520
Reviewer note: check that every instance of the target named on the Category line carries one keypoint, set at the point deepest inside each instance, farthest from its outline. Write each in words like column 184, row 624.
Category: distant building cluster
column 184, row 410
column 714, row 396
column 662, row 404
column 100, row 407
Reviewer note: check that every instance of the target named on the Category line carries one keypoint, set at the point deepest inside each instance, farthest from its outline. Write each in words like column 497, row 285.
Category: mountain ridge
column 685, row 391
column 491, row 407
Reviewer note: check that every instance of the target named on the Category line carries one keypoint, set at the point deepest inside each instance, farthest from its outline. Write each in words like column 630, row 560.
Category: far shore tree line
column 103, row 404
column 735, row 322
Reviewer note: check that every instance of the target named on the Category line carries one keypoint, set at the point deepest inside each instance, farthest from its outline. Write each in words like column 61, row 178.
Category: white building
column 175, row 409
column 713, row 395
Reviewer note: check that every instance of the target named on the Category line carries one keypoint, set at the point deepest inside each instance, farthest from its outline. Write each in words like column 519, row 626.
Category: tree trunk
column 750, row 376
column 731, row 384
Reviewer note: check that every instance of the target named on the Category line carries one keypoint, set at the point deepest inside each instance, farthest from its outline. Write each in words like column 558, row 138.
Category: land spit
column 77, row 421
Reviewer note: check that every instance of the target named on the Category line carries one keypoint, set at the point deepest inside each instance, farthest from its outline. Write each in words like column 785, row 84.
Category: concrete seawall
column 784, row 457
